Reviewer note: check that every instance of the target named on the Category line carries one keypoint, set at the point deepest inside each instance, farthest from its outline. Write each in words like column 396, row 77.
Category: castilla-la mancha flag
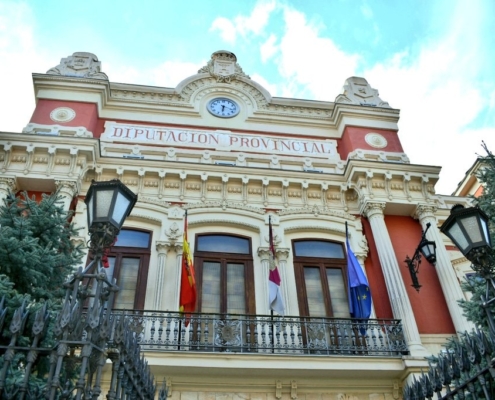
column 187, row 299
column 276, row 302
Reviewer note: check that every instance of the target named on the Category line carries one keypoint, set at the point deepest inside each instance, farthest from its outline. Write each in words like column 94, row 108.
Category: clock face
column 224, row 108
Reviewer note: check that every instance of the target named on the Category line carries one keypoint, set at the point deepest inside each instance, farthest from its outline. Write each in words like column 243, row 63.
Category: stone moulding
column 57, row 130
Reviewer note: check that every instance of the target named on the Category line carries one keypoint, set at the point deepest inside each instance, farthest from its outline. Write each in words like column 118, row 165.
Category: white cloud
column 20, row 57
column 440, row 97
column 227, row 29
column 268, row 48
column 254, row 24
column 257, row 21
column 309, row 60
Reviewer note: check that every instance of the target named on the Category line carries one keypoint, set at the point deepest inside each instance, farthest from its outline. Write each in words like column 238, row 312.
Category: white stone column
column 282, row 255
column 67, row 189
column 177, row 276
column 448, row 280
column 399, row 300
column 162, row 249
column 6, row 185
column 264, row 254
column 281, row 262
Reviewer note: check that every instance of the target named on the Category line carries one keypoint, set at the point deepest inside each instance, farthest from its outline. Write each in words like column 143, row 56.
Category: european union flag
column 359, row 290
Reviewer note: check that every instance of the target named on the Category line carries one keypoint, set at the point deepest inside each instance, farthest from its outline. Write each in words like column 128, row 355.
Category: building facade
column 221, row 147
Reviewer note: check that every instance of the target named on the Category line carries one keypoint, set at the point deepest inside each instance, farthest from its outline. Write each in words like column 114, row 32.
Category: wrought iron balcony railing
column 166, row 331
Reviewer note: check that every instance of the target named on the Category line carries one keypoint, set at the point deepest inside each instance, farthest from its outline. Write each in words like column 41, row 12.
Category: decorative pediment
column 358, row 91
column 81, row 65
column 223, row 67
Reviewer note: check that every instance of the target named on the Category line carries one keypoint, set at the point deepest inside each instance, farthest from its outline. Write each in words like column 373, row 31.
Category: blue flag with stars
column 359, row 290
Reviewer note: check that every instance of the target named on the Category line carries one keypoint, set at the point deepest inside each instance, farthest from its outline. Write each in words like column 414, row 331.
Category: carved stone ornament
column 80, row 65
column 223, row 67
column 173, row 232
column 62, row 114
column 358, row 91
column 376, row 140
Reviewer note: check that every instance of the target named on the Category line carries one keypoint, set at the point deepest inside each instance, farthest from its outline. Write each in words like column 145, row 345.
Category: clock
column 223, row 107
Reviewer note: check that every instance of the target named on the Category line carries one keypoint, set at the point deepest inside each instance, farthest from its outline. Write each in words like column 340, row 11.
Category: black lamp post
column 468, row 230
column 109, row 203
column 428, row 249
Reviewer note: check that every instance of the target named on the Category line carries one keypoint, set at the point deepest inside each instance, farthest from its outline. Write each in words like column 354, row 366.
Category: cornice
column 182, row 101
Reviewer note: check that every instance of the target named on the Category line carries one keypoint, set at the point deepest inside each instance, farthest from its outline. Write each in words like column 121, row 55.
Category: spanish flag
column 187, row 300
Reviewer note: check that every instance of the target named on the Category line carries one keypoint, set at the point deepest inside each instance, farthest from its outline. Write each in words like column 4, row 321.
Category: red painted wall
column 353, row 139
column 374, row 272
column 429, row 306
column 86, row 114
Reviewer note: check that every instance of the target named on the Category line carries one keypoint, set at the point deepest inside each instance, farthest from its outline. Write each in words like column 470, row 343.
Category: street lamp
column 428, row 249
column 108, row 203
column 468, row 230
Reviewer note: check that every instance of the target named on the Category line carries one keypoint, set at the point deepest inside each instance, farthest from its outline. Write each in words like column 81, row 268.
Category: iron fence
column 466, row 370
column 167, row 331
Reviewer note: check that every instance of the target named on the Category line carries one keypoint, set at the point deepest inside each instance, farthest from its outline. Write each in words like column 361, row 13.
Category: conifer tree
column 476, row 284
column 36, row 251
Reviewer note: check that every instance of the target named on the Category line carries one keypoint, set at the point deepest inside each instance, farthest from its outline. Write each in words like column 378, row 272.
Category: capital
column 7, row 184
column 372, row 209
column 68, row 188
column 424, row 211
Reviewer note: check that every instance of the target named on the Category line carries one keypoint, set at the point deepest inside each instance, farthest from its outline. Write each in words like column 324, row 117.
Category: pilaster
column 162, row 249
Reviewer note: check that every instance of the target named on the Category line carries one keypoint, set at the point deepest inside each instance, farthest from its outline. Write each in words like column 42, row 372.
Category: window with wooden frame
column 128, row 261
column 224, row 274
column 320, row 270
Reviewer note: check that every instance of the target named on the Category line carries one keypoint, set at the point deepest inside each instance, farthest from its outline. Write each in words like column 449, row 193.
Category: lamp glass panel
column 120, row 209
column 472, row 227
column 457, row 235
column 90, row 210
column 427, row 249
column 486, row 232
column 103, row 203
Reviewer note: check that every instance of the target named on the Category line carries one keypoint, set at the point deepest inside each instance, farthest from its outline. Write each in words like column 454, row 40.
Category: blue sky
column 433, row 59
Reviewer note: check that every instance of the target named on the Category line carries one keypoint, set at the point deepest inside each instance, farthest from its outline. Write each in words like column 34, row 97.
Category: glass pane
column 103, row 202
column 210, row 301
column 458, row 236
column 318, row 248
column 130, row 238
column 338, row 293
column 236, row 298
column 314, row 292
column 223, row 244
column 119, row 211
column 470, row 224
column 90, row 209
column 127, row 283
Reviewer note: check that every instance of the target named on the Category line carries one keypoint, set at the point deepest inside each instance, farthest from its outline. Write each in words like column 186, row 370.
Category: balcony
column 264, row 334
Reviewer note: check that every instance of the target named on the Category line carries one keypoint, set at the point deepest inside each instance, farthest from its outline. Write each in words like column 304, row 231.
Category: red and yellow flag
column 187, row 300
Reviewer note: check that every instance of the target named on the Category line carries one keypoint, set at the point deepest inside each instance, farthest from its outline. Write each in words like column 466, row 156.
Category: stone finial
column 223, row 67
column 80, row 65
column 358, row 91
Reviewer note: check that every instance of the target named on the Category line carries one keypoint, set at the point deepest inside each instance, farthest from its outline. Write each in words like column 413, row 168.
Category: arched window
column 224, row 274
column 129, row 260
column 320, row 268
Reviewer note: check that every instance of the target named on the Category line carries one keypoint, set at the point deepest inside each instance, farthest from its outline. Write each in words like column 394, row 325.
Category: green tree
column 476, row 284
column 36, row 257
column 36, row 250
